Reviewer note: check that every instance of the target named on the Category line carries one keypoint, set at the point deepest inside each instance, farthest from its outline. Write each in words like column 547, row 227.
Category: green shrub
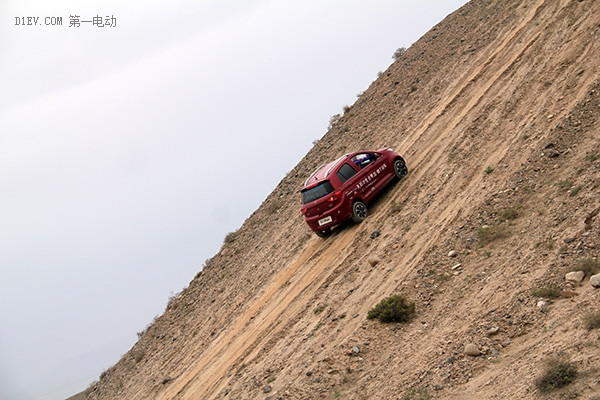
column 559, row 372
column 488, row 170
column 563, row 186
column 452, row 153
column 549, row 292
column 575, row 190
column 592, row 320
column 510, row 213
column 393, row 309
column 333, row 120
column 138, row 355
column 488, row 234
column 172, row 298
column 399, row 53
column 320, row 308
column 592, row 157
column 419, row 393
column 230, row 237
column 588, row 265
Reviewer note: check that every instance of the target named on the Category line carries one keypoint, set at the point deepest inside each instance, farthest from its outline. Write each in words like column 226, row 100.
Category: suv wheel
column 359, row 211
column 323, row 234
column 400, row 169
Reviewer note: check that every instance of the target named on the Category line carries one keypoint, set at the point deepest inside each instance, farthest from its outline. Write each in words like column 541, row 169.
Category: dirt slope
column 512, row 85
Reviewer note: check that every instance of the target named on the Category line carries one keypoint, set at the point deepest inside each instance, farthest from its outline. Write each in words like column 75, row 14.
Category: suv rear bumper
column 338, row 215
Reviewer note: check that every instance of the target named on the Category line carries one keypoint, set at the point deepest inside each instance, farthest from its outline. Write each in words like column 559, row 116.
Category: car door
column 382, row 172
column 368, row 165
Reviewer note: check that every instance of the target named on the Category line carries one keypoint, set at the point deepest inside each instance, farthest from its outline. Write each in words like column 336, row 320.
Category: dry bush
column 419, row 393
column 558, row 373
column 509, row 213
column 230, row 237
column 588, row 265
column 592, row 320
column 548, row 292
column 138, row 355
column 393, row 309
column 399, row 53
column 488, row 234
column 564, row 186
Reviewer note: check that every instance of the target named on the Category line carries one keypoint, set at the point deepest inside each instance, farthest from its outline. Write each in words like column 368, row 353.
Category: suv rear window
column 312, row 194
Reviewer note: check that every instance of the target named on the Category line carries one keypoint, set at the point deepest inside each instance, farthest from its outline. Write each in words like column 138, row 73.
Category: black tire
column 359, row 211
column 323, row 234
column 400, row 168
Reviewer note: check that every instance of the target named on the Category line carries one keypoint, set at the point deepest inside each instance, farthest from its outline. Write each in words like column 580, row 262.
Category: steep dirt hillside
column 496, row 111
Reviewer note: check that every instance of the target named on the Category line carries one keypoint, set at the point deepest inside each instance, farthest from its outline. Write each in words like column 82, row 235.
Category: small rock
column 543, row 305
column 552, row 153
column 575, row 276
column 355, row 350
column 373, row 260
column 595, row 280
column 375, row 234
column 472, row 350
column 493, row 331
column 457, row 266
column 452, row 253
column 569, row 240
column 450, row 360
column 166, row 380
column 267, row 388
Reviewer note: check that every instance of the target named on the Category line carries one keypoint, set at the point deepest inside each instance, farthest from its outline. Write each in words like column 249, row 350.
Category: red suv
column 340, row 190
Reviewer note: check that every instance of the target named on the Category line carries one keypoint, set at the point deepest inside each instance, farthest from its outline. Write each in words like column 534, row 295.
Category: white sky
column 127, row 153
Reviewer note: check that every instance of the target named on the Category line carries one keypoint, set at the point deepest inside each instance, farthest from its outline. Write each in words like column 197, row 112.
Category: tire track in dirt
column 478, row 91
column 443, row 212
column 286, row 295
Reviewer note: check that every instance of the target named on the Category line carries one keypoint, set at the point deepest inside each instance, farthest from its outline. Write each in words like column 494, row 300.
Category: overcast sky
column 127, row 152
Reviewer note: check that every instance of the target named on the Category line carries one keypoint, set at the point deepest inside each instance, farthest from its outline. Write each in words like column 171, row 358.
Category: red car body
column 340, row 190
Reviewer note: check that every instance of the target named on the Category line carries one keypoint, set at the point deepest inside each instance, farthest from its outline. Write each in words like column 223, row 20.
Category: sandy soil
column 510, row 85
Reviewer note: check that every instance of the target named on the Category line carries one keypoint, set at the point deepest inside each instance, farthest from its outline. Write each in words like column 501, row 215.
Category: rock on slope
column 496, row 112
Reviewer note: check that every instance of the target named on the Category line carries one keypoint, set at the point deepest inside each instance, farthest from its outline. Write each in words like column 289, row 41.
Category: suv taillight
column 335, row 197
